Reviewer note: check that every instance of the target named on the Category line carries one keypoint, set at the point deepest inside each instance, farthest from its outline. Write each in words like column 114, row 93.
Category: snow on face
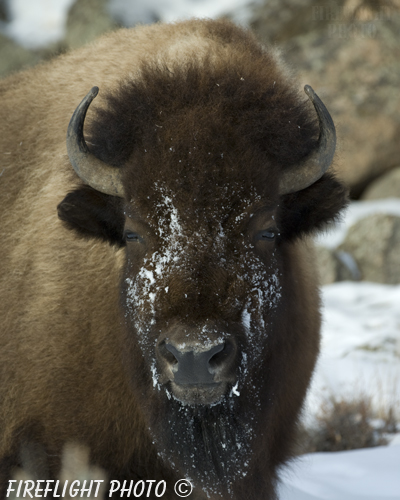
column 151, row 286
column 147, row 287
column 258, row 295
column 265, row 292
column 142, row 292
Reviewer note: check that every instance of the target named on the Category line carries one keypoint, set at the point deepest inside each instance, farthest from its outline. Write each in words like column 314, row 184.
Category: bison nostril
column 196, row 364
column 167, row 354
column 222, row 357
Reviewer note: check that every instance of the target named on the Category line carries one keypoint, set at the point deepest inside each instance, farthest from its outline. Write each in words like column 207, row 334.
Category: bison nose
column 198, row 366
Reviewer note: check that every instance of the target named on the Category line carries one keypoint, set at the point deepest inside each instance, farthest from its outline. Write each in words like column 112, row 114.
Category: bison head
column 209, row 183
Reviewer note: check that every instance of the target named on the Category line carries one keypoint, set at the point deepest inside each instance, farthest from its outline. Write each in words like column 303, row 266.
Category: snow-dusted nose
column 196, row 365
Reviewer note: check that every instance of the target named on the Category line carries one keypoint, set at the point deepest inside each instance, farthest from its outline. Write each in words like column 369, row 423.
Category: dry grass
column 343, row 424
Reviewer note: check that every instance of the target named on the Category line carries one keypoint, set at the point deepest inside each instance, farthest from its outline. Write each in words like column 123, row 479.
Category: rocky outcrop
column 87, row 19
column 3, row 11
column 386, row 186
column 336, row 265
column 348, row 51
column 374, row 243
column 13, row 57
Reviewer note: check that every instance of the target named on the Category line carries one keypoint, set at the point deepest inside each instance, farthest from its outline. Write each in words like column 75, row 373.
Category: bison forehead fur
column 172, row 328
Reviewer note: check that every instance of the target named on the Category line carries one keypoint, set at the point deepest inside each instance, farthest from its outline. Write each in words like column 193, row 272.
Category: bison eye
column 268, row 235
column 132, row 237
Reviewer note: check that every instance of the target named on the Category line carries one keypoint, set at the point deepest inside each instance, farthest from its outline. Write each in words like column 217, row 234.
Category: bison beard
column 210, row 445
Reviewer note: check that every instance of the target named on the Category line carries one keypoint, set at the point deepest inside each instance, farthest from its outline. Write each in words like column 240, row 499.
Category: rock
column 291, row 18
column 386, row 186
column 13, row 57
column 87, row 19
column 374, row 242
column 348, row 269
column 351, row 57
column 335, row 266
column 327, row 265
column 3, row 10
column 276, row 21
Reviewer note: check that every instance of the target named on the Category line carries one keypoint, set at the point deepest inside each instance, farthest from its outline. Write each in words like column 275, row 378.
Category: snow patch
column 35, row 24
column 234, row 390
column 370, row 474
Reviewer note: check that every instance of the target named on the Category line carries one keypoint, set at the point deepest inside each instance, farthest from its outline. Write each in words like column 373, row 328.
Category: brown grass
column 343, row 424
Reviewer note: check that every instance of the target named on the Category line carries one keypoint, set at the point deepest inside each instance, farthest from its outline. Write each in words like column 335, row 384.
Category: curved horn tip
column 90, row 169
column 318, row 161
column 310, row 92
column 94, row 91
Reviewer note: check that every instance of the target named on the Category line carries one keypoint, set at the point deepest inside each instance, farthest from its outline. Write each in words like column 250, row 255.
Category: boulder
column 335, row 265
column 3, row 10
column 277, row 21
column 327, row 265
column 386, row 186
column 348, row 51
column 87, row 19
column 374, row 243
column 13, row 57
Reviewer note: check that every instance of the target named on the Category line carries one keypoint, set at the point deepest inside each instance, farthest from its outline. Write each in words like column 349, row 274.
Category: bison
column 158, row 297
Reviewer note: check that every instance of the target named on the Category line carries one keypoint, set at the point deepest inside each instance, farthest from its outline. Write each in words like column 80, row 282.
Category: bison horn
column 90, row 169
column 318, row 161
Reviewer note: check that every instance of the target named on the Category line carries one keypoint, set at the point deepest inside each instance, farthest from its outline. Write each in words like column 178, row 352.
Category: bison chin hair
column 208, row 444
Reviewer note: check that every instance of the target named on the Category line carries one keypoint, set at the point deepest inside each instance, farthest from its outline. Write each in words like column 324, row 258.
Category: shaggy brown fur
column 202, row 120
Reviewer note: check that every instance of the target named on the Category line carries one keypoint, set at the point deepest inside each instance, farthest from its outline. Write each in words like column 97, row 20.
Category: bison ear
column 93, row 215
column 313, row 208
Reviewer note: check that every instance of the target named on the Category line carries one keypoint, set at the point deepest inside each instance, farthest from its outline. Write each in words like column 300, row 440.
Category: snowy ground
column 360, row 354
column 369, row 474
column 360, row 344
column 361, row 332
